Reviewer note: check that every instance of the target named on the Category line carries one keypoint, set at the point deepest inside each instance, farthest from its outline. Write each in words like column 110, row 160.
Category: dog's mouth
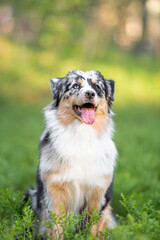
column 86, row 112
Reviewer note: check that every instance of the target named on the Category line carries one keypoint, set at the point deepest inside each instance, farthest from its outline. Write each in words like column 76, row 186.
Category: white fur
column 89, row 158
column 88, row 74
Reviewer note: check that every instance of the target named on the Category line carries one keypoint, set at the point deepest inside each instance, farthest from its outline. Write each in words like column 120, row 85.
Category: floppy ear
column 110, row 88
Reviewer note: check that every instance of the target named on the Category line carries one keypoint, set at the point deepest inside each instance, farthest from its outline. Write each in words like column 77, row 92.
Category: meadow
column 25, row 90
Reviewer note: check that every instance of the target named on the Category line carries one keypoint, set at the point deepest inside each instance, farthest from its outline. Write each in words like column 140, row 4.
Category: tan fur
column 94, row 81
column 80, row 81
column 67, row 115
column 64, row 194
column 95, row 200
column 100, row 117
column 61, row 194
column 97, row 193
column 65, row 111
column 103, row 222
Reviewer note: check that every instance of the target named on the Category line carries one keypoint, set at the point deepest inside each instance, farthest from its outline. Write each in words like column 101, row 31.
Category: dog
column 76, row 152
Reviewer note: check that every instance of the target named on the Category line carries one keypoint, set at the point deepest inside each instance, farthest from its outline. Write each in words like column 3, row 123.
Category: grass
column 18, row 221
column 137, row 171
column 136, row 138
column 25, row 91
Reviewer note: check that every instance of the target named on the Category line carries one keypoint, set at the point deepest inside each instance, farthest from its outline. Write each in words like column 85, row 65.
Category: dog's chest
column 88, row 157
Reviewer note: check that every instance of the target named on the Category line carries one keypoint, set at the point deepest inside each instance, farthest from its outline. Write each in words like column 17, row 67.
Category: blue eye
column 76, row 86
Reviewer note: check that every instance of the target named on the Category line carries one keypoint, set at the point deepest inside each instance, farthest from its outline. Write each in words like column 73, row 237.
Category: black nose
column 90, row 94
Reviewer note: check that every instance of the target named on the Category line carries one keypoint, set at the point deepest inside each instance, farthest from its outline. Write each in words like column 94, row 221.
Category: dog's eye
column 76, row 86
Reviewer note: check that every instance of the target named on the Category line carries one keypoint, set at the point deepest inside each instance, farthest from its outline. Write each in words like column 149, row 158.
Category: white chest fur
column 88, row 157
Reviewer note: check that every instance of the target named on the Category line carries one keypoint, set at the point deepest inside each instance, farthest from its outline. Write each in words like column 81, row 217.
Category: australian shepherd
column 76, row 152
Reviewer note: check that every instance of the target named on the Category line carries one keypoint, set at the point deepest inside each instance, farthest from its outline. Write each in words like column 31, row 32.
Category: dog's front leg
column 59, row 194
column 96, row 196
column 94, row 205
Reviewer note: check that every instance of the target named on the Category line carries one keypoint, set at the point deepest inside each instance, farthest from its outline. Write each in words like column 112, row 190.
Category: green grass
column 137, row 171
column 25, row 91
column 137, row 139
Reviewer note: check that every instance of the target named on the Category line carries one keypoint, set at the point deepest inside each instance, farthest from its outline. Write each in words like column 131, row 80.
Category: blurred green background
column 44, row 39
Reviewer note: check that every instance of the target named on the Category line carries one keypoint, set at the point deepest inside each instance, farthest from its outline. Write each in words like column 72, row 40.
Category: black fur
column 109, row 86
column 40, row 192
column 99, row 88
column 64, row 86
column 108, row 196
column 44, row 142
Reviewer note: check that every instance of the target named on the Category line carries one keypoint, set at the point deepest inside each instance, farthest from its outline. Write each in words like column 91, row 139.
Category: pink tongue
column 88, row 115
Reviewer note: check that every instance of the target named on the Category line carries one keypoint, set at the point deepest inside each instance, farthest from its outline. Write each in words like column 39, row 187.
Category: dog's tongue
column 88, row 115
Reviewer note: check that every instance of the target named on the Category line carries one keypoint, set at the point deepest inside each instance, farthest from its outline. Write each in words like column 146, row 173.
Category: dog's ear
column 110, row 88
column 55, row 86
column 58, row 89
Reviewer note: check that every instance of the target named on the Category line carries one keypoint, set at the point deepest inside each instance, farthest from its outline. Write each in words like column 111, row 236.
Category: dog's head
column 82, row 95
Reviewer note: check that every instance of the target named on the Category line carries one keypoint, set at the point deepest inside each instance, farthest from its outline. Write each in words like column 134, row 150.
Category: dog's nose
column 90, row 94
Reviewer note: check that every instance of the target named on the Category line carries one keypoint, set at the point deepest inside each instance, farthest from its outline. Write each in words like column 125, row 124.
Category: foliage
column 16, row 218
column 25, row 91
column 143, row 222
column 27, row 80
column 73, row 225
column 89, row 25
column 18, row 221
